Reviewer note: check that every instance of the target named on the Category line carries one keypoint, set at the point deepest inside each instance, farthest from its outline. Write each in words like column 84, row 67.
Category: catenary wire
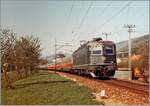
column 69, row 15
column 84, row 17
column 116, row 14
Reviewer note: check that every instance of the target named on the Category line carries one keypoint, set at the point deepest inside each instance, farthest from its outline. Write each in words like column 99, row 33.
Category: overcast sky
column 73, row 21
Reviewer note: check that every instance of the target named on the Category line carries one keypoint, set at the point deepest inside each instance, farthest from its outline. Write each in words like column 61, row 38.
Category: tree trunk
column 19, row 74
column 8, row 82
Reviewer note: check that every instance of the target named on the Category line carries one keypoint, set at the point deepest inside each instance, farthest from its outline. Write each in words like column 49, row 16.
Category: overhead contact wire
column 102, row 12
column 83, row 19
column 108, row 20
column 69, row 15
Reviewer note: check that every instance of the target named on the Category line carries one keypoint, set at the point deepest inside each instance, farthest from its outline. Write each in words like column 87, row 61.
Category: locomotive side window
column 109, row 50
column 96, row 51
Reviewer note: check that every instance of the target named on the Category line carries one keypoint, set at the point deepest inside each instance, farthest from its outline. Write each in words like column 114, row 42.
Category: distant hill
column 123, row 46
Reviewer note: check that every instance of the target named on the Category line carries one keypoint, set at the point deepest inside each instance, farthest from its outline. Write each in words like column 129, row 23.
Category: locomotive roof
column 93, row 41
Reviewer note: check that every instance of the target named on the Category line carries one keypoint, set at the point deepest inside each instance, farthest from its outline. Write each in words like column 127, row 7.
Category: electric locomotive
column 96, row 58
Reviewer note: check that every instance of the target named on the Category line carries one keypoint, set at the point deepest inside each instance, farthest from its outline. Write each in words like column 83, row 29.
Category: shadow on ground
column 18, row 86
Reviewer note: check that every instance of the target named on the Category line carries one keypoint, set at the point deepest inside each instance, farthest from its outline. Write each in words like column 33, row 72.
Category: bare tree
column 8, row 40
column 27, row 53
column 18, row 54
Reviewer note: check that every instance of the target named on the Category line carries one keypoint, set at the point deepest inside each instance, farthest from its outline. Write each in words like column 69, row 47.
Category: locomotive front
column 95, row 57
column 103, row 58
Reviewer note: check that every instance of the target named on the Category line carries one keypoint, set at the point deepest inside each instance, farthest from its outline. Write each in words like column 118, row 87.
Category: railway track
column 143, row 88
column 139, row 87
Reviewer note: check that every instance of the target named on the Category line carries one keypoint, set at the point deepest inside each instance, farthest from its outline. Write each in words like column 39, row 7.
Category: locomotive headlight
column 111, row 62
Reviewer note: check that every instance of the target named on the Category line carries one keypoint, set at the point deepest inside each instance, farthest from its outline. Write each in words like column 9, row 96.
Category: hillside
column 123, row 46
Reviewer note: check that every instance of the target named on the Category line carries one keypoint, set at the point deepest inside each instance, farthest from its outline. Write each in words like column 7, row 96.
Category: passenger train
column 96, row 58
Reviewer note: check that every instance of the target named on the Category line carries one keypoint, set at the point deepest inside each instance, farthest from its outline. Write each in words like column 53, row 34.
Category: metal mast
column 55, row 54
column 106, row 34
column 129, row 47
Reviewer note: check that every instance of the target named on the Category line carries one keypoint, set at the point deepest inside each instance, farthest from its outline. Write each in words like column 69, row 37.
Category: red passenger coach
column 61, row 66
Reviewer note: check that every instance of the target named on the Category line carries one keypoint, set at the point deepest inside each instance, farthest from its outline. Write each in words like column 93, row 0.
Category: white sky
column 73, row 21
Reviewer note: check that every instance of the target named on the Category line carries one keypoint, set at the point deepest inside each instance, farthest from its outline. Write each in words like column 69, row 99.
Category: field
column 47, row 88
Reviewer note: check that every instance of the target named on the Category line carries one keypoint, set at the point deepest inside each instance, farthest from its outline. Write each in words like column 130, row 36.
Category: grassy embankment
column 45, row 88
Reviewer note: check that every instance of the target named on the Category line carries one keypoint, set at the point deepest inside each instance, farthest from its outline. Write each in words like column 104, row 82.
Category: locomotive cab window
column 109, row 50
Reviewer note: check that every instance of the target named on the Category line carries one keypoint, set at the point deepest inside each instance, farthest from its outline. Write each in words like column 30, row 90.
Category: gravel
column 115, row 94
